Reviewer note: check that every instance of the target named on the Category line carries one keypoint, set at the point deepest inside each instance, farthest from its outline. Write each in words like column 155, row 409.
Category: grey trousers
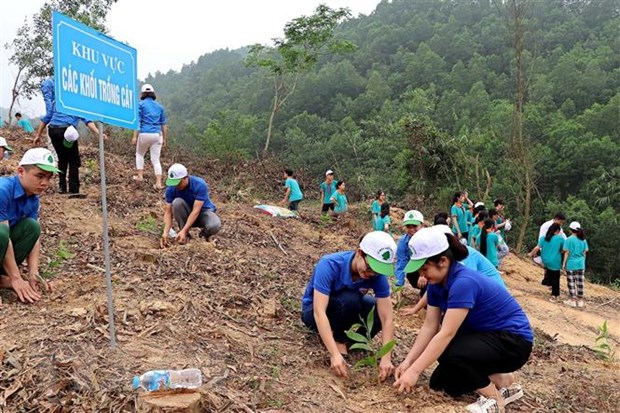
column 207, row 218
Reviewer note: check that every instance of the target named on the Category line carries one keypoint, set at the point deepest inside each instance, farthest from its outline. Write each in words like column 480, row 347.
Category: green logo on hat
column 171, row 175
column 50, row 158
column 386, row 255
column 411, row 216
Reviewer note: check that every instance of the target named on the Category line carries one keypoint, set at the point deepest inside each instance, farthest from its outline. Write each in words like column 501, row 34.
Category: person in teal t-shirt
column 339, row 199
column 328, row 187
column 575, row 250
column 24, row 123
column 383, row 221
column 551, row 245
column 293, row 193
column 489, row 242
column 458, row 212
column 376, row 207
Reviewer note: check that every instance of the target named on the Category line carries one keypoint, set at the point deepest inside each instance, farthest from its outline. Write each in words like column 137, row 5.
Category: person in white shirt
column 559, row 219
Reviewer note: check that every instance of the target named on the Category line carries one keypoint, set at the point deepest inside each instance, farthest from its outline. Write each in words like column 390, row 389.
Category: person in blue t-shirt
column 19, row 223
column 328, row 187
column 473, row 327
column 188, row 202
column 474, row 260
column 551, row 246
column 292, row 194
column 62, row 131
column 336, row 297
column 152, row 134
column 24, row 123
column 574, row 263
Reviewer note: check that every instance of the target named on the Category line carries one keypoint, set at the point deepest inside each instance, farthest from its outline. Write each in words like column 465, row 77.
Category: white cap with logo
column 147, row 88
column 175, row 174
column 413, row 217
column 424, row 244
column 575, row 226
column 380, row 250
column 5, row 145
column 41, row 158
column 329, row 172
column 71, row 135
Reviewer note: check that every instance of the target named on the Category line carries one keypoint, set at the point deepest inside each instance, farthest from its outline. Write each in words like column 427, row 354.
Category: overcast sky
column 169, row 34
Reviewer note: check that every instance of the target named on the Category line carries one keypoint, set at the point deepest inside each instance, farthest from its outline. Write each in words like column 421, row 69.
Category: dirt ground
column 232, row 309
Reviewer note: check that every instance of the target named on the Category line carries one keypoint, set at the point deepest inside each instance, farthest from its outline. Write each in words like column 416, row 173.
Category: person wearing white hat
column 574, row 263
column 328, row 187
column 188, row 202
column 473, row 327
column 19, row 222
column 152, row 134
column 4, row 148
column 412, row 221
column 335, row 297
column 62, row 131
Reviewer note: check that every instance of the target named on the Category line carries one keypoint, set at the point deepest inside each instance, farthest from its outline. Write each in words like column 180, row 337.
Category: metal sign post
column 95, row 77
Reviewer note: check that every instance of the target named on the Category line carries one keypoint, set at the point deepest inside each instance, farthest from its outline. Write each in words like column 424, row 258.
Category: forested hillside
column 424, row 106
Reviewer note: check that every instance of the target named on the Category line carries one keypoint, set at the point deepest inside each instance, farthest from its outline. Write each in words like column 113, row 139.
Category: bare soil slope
column 233, row 309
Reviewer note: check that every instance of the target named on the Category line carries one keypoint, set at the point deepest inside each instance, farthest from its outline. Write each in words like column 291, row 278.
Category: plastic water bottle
column 172, row 233
column 168, row 379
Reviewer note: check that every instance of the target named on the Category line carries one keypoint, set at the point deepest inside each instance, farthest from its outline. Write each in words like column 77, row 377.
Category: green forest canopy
column 423, row 107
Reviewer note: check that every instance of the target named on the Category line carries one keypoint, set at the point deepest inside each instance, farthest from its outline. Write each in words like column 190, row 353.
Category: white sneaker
column 511, row 393
column 580, row 304
column 484, row 405
column 570, row 303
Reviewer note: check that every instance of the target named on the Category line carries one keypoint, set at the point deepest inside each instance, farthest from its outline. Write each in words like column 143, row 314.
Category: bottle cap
column 136, row 382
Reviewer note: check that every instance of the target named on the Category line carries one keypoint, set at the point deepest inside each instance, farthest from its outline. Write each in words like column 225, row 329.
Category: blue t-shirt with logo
column 328, row 190
column 576, row 253
column 295, row 194
column 332, row 274
column 196, row 190
column 551, row 252
column 14, row 203
column 152, row 116
column 491, row 307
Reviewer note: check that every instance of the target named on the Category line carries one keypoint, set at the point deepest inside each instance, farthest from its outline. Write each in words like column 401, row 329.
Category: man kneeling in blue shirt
column 336, row 298
column 187, row 200
column 19, row 222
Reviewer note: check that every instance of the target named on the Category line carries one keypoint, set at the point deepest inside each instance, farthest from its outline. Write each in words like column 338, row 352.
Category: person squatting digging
column 188, row 202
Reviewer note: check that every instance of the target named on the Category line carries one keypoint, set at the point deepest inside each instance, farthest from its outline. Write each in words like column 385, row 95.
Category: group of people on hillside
column 473, row 327
column 187, row 199
column 562, row 254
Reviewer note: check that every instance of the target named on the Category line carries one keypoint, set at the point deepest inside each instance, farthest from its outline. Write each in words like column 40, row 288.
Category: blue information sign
column 95, row 75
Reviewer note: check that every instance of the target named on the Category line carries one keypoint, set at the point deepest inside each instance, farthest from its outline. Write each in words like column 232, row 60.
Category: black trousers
column 553, row 277
column 68, row 159
column 470, row 359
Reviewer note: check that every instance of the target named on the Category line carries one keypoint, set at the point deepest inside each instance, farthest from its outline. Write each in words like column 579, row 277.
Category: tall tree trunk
column 524, row 167
column 15, row 93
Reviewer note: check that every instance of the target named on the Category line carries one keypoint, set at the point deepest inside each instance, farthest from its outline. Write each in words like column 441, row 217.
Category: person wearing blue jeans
column 335, row 297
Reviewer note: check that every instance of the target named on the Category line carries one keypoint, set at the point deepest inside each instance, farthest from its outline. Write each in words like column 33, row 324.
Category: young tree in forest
column 305, row 39
column 521, row 160
column 32, row 45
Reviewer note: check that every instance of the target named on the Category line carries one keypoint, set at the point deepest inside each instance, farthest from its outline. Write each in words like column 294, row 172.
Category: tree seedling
column 601, row 344
column 364, row 342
